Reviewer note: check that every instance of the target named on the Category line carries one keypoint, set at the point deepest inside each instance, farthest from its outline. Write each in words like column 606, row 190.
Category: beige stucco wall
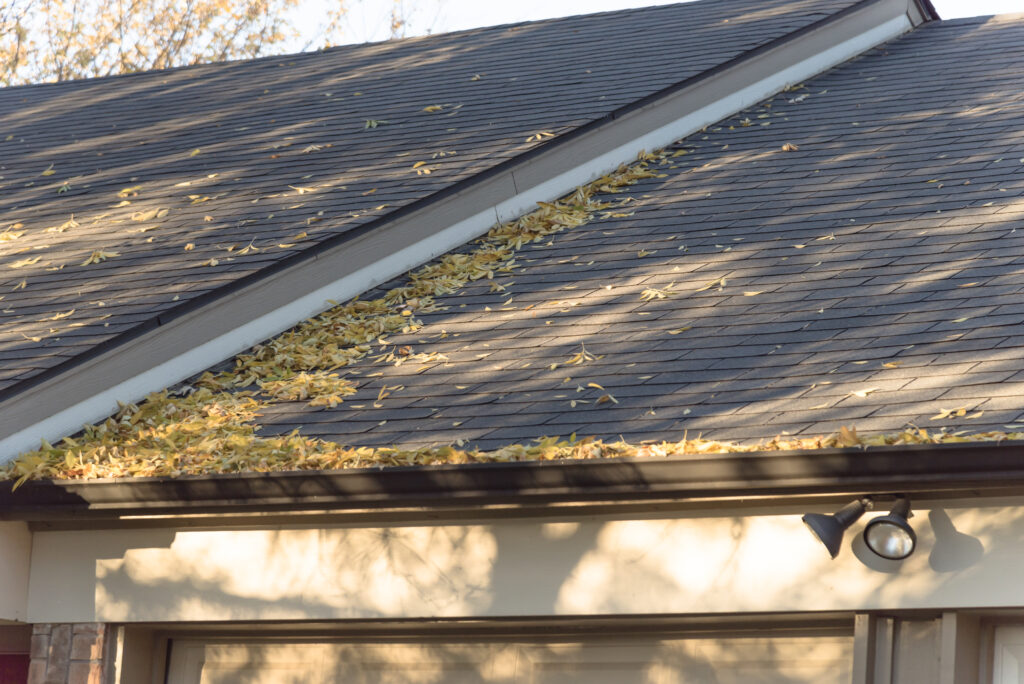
column 696, row 563
column 15, row 552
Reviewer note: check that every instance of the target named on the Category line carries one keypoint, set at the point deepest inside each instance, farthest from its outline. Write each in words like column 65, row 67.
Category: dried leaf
column 950, row 413
column 720, row 282
column 99, row 256
column 540, row 135
column 21, row 263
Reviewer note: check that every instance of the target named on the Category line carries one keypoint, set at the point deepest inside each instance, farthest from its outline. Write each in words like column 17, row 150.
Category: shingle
column 806, row 354
column 246, row 135
column 899, row 302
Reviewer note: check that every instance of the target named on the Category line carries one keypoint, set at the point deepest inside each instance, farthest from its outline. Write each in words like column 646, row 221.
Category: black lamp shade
column 830, row 528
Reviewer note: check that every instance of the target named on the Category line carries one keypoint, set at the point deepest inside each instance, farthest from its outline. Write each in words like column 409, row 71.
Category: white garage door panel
column 779, row 660
column 418, row 664
column 251, row 664
column 692, row 661
column 1009, row 656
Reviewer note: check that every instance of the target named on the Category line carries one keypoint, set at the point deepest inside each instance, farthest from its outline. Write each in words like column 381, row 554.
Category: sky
column 369, row 19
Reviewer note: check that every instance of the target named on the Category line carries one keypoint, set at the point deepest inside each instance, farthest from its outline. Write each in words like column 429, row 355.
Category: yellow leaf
column 59, row 316
column 864, row 392
column 433, row 108
column 210, row 262
column 48, row 171
column 753, row 293
column 679, row 330
column 98, row 256
column 9, row 235
column 789, row 147
column 194, row 152
column 892, row 364
column 25, row 262
column 720, row 282
column 848, row 437
column 594, row 385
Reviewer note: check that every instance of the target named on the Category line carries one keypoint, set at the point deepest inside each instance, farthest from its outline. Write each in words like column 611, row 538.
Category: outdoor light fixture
column 891, row 536
column 830, row 528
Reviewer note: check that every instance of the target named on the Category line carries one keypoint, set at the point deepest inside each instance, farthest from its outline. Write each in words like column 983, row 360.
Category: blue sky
column 368, row 19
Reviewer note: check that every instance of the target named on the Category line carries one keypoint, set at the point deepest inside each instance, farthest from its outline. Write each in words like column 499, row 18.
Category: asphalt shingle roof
column 155, row 177
column 872, row 277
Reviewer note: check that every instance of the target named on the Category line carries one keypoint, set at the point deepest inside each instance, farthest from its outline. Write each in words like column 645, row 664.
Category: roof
column 839, row 255
column 869, row 276
column 129, row 201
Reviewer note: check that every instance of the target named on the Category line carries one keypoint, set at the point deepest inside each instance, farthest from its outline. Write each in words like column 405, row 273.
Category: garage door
column 739, row 660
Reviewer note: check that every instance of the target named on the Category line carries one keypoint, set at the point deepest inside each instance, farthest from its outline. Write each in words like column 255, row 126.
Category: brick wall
column 70, row 654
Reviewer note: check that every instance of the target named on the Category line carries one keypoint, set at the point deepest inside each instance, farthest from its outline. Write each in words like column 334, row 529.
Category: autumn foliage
column 60, row 40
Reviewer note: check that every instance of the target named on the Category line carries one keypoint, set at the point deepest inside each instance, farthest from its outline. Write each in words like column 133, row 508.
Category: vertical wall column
column 79, row 653
column 937, row 650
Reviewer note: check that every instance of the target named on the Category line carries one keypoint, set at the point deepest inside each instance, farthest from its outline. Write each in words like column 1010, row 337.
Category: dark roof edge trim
column 931, row 14
column 563, row 140
column 964, row 470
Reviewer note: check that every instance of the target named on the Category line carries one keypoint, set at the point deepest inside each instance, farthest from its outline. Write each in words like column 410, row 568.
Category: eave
column 422, row 493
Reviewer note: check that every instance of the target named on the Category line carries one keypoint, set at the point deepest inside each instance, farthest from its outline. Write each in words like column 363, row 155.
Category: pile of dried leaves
column 213, row 429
